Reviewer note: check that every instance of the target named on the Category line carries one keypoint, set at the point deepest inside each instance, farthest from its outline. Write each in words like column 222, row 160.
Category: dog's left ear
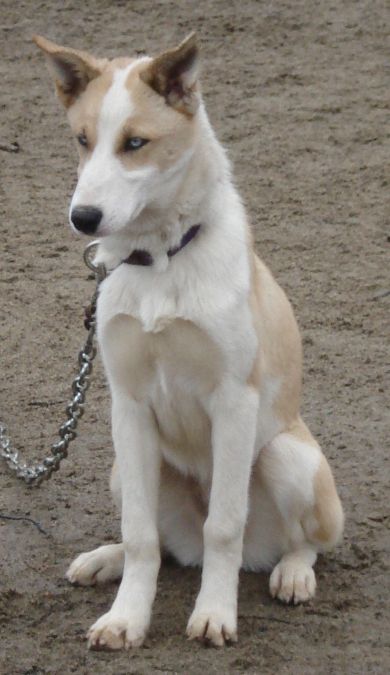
column 174, row 75
column 72, row 69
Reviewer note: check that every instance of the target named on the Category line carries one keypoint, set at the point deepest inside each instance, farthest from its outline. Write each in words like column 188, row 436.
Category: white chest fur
column 171, row 341
column 174, row 371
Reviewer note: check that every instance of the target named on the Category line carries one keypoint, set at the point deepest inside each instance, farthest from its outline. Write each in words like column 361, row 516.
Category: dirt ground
column 298, row 90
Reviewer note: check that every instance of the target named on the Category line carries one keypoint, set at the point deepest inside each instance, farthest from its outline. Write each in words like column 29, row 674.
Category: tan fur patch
column 301, row 432
column 327, row 508
column 83, row 115
column 169, row 133
column 279, row 354
column 254, row 378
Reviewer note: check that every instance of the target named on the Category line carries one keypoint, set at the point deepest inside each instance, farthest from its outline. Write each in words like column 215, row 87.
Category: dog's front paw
column 292, row 581
column 112, row 631
column 214, row 626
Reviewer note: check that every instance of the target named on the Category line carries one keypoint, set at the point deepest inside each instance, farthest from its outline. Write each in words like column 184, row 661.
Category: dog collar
column 144, row 258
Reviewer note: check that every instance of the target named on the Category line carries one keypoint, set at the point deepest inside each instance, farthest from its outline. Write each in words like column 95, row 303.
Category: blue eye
column 134, row 143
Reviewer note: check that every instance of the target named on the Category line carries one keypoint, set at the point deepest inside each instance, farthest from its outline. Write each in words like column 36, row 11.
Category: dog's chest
column 171, row 340
column 175, row 371
column 188, row 367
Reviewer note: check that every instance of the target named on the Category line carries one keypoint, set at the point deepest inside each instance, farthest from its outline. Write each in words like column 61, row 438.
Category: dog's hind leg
column 299, row 480
column 97, row 567
column 104, row 563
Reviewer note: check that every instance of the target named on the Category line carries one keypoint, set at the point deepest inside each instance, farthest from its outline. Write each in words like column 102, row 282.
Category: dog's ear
column 72, row 69
column 174, row 75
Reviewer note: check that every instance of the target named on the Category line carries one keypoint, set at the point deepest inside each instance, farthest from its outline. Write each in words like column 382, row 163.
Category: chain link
column 34, row 475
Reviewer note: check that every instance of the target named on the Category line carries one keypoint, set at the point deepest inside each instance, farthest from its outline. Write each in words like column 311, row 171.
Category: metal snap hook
column 99, row 270
column 89, row 252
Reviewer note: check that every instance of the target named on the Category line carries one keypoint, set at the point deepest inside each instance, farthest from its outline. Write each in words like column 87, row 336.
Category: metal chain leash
column 34, row 475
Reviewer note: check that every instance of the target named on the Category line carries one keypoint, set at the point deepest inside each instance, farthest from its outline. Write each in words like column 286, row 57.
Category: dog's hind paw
column 292, row 581
column 112, row 632
column 96, row 567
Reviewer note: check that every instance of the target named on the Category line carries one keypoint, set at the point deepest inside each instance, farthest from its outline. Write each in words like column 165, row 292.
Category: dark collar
column 144, row 258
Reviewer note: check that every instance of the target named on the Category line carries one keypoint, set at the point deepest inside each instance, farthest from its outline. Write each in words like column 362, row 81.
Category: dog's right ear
column 72, row 69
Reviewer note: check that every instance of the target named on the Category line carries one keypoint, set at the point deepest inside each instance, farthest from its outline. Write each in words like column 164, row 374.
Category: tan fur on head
column 72, row 69
column 174, row 75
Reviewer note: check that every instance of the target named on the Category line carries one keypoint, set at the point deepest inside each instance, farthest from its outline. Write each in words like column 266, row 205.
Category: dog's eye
column 134, row 143
column 82, row 139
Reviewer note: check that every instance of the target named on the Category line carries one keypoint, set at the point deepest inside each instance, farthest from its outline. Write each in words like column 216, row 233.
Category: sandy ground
column 299, row 92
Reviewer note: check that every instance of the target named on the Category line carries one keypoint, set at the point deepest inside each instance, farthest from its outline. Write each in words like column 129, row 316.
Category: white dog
column 201, row 350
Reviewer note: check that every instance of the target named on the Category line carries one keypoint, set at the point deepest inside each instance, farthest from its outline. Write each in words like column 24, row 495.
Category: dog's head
column 134, row 123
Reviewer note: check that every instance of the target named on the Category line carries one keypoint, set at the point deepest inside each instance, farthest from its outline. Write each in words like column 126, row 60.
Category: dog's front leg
column 234, row 414
column 138, row 457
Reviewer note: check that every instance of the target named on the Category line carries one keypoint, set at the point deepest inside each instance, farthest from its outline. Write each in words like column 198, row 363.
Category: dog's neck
column 160, row 229
column 143, row 258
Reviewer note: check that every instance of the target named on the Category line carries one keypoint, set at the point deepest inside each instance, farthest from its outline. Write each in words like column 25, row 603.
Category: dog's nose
column 86, row 218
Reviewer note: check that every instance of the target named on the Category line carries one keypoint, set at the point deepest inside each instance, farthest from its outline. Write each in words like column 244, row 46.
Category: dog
column 201, row 350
